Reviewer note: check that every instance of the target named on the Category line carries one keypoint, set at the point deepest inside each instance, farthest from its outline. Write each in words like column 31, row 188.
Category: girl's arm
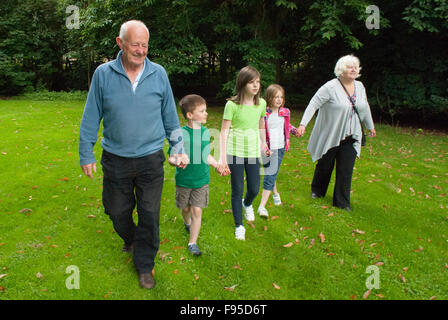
column 293, row 130
column 263, row 144
column 225, row 129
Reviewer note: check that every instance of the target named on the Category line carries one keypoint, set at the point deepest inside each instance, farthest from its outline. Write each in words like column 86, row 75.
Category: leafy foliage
column 202, row 44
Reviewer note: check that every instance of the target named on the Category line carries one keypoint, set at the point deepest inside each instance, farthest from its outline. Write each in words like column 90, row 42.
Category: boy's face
column 199, row 114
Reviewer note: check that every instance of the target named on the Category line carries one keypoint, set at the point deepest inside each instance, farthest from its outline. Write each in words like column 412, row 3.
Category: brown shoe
column 146, row 280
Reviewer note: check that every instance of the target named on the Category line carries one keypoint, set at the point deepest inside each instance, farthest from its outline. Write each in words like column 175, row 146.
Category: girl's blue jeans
column 271, row 168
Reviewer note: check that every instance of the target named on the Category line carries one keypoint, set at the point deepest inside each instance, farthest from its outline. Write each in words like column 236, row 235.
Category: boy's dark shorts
column 191, row 197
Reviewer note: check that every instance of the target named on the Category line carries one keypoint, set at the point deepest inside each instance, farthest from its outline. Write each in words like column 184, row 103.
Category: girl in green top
column 242, row 138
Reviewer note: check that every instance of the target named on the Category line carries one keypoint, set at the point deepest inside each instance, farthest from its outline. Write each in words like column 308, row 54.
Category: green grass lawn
column 51, row 217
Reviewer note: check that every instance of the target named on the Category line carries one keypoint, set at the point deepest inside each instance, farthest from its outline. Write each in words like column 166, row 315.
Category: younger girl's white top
column 276, row 126
column 335, row 111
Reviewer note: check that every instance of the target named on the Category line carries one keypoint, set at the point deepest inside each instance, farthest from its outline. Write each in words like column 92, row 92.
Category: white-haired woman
column 337, row 133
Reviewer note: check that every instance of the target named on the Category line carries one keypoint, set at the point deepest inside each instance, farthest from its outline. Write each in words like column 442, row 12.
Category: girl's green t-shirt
column 244, row 136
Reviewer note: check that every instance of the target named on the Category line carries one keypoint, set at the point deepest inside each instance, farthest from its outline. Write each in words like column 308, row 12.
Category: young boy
column 192, row 191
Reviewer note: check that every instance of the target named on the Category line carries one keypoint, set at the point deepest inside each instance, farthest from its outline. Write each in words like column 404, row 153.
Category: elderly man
column 133, row 97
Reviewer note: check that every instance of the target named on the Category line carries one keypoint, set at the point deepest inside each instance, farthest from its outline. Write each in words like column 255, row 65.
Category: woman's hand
column 300, row 130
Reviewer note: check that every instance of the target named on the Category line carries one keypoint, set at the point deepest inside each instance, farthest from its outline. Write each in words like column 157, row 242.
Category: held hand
column 268, row 152
column 88, row 168
column 172, row 160
column 372, row 133
column 223, row 170
column 300, row 131
column 179, row 160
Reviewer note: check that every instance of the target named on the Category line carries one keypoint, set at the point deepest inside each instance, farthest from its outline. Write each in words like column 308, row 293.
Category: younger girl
column 278, row 129
column 242, row 132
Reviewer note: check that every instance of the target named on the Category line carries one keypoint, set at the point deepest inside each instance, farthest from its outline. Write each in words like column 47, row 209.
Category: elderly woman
column 337, row 133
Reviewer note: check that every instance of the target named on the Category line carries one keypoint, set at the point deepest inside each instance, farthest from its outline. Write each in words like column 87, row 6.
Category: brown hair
column 245, row 75
column 190, row 102
column 271, row 92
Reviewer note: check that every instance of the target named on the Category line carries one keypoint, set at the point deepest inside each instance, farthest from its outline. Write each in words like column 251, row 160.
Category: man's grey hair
column 125, row 26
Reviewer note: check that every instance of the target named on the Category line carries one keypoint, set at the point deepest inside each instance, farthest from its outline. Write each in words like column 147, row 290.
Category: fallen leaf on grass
column 26, row 211
column 2, row 289
column 359, row 231
column 176, row 271
column 322, row 237
column 237, row 267
column 432, row 298
column 165, row 240
column 91, row 216
column 39, row 275
column 230, row 288
column 274, row 217
column 276, row 286
column 405, row 269
column 379, row 295
column 196, row 277
column 366, row 294
column 402, row 278
column 3, row 275
column 288, row 245
column 251, row 224
column 419, row 249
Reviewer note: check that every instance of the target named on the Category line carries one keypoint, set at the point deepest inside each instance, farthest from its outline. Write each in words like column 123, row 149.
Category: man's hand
column 179, row 160
column 372, row 133
column 88, row 168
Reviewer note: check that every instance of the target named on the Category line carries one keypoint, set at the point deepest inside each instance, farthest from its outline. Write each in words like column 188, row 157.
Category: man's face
column 134, row 46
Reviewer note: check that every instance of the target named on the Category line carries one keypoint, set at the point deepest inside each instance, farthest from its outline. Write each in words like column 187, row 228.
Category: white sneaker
column 248, row 212
column 263, row 212
column 240, row 233
column 277, row 200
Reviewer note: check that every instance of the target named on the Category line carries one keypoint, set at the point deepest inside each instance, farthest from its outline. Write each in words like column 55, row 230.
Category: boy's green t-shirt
column 197, row 146
column 244, row 136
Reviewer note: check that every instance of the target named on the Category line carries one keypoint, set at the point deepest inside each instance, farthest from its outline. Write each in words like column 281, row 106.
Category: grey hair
column 125, row 26
column 348, row 60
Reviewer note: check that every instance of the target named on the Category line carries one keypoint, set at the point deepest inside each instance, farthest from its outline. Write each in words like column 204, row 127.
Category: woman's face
column 252, row 87
column 351, row 72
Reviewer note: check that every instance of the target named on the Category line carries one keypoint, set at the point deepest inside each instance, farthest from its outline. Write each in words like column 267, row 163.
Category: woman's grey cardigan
column 332, row 122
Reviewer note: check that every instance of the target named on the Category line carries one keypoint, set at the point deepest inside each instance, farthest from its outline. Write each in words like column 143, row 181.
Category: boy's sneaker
column 194, row 249
column 263, row 212
column 248, row 212
column 240, row 233
column 277, row 200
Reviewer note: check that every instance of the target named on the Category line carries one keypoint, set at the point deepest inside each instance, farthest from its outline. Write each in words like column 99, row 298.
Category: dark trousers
column 237, row 167
column 344, row 156
column 135, row 181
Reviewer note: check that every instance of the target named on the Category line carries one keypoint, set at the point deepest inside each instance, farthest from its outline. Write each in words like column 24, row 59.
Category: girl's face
column 277, row 101
column 252, row 87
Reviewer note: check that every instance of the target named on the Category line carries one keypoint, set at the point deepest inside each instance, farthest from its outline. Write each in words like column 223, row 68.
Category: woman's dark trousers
column 129, row 182
column 344, row 157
